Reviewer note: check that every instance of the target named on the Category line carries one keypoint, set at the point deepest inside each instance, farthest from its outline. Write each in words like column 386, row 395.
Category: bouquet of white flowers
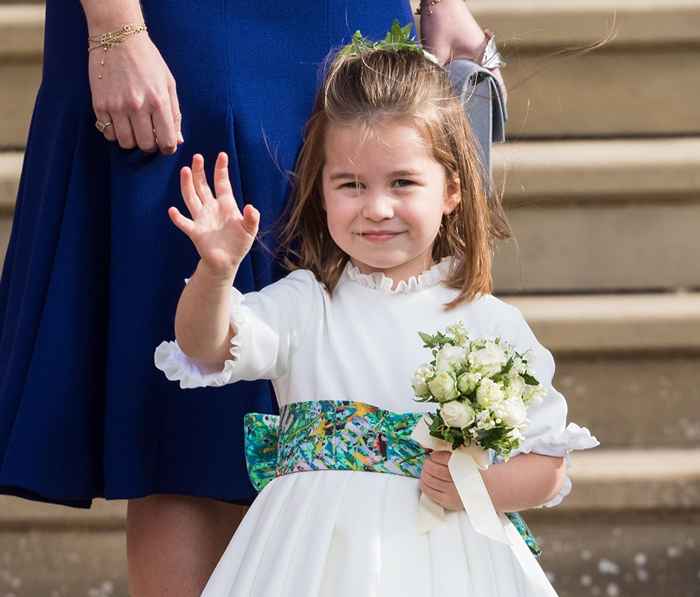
column 483, row 387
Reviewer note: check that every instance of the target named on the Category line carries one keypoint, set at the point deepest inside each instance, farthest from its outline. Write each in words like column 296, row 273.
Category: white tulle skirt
column 353, row 534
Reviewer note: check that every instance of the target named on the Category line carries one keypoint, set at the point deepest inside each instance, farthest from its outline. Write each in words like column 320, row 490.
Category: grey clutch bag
column 483, row 102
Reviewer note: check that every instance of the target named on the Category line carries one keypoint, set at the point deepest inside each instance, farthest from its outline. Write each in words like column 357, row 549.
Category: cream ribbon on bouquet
column 465, row 465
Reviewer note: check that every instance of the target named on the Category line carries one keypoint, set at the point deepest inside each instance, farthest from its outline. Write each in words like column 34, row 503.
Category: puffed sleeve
column 269, row 324
column 547, row 432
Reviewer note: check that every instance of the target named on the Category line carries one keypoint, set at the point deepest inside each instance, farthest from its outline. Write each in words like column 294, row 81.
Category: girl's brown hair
column 386, row 83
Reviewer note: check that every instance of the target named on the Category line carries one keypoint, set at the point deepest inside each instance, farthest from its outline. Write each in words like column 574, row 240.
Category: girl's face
column 384, row 196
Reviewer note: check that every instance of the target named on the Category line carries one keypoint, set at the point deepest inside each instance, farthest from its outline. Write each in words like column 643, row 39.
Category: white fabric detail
column 177, row 366
column 382, row 282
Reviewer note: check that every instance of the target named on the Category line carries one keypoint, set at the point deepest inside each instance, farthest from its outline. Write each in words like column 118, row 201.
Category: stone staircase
column 602, row 184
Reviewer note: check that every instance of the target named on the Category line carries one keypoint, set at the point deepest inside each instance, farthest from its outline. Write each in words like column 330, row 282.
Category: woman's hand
column 436, row 481
column 221, row 234
column 137, row 95
column 449, row 31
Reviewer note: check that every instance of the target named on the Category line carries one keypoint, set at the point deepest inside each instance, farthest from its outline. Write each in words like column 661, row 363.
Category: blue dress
column 94, row 267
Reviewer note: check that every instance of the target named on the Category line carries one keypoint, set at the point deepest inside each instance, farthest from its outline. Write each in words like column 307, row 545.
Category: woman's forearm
column 525, row 481
column 202, row 321
column 108, row 15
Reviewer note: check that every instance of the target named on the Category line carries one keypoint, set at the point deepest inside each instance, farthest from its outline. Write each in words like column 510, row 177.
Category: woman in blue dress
column 83, row 412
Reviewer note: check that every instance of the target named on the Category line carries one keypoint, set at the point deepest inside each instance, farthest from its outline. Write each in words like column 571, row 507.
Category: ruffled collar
column 379, row 281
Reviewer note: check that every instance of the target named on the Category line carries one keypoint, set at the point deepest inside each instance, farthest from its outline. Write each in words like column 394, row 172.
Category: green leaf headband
column 397, row 39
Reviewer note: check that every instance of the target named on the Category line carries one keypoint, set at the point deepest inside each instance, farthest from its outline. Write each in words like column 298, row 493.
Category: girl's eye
column 403, row 182
column 356, row 186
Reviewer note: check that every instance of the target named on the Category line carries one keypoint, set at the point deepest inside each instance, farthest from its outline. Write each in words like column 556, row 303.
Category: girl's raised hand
column 221, row 234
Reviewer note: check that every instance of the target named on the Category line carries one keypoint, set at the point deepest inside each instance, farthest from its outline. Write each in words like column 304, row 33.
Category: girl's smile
column 378, row 236
column 385, row 196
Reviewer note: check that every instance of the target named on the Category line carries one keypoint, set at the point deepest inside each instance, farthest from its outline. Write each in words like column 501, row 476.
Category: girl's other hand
column 436, row 481
column 137, row 94
column 221, row 234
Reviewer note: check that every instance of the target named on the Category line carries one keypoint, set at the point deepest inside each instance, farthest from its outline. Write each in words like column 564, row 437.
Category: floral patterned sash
column 338, row 435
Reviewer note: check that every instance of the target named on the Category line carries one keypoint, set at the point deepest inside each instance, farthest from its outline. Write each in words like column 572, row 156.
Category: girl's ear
column 453, row 194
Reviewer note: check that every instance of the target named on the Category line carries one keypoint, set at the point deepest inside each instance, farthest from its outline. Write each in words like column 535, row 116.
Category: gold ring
column 101, row 126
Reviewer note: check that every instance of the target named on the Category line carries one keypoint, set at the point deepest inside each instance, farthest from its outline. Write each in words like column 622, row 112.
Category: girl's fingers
column 194, row 205
column 200, row 179
column 185, row 224
column 437, row 496
column 437, row 470
column 441, row 456
column 251, row 219
column 222, row 182
column 436, row 484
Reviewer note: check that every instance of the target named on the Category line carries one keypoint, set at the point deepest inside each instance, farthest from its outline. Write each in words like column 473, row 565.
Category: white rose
column 444, row 386
column 457, row 414
column 489, row 360
column 515, row 387
column 489, row 393
column 513, row 412
column 450, row 357
column 467, row 382
column 420, row 377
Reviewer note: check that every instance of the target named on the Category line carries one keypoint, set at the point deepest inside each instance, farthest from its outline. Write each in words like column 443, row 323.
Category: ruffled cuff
column 177, row 366
column 560, row 444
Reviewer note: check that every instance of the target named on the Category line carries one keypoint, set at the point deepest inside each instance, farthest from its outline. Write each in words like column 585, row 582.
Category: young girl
column 389, row 233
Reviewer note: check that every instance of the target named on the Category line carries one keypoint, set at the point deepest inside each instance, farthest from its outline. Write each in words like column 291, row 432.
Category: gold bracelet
column 113, row 38
column 108, row 40
column 427, row 4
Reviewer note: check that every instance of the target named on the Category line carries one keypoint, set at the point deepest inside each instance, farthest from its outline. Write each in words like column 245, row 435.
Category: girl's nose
column 377, row 206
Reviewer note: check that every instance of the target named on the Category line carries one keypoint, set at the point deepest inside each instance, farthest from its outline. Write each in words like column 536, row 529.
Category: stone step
column 642, row 80
column 605, row 480
column 582, row 213
column 614, row 324
column 630, row 525
column 63, row 563
column 633, row 400
column 21, row 43
column 650, row 57
column 607, row 215
column 645, row 555
column 628, row 365
column 620, row 555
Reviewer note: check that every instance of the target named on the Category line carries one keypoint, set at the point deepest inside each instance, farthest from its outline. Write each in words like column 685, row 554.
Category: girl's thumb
column 251, row 218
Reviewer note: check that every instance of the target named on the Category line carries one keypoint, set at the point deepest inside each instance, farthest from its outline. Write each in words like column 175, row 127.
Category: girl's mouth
column 379, row 236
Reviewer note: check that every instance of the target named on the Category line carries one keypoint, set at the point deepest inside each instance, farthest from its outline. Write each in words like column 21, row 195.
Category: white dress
column 349, row 533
